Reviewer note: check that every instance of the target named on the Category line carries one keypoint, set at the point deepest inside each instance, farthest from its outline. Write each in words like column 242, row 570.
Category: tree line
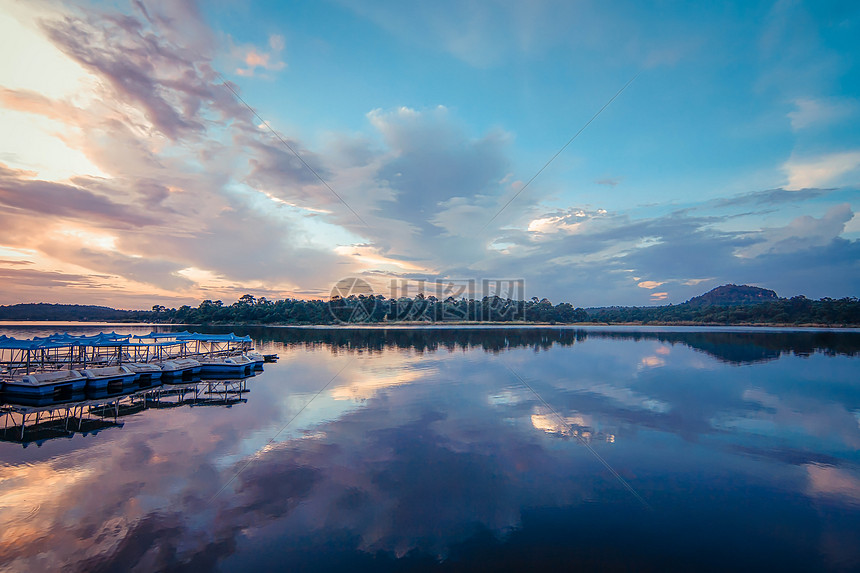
column 372, row 309
column 379, row 310
column 792, row 311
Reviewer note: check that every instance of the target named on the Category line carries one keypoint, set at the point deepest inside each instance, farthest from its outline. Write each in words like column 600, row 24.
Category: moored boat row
column 63, row 364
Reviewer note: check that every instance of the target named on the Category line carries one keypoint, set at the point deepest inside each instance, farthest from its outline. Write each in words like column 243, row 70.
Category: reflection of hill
column 732, row 347
column 750, row 347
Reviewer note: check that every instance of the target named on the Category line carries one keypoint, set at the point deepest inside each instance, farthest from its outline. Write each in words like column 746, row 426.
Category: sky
column 603, row 153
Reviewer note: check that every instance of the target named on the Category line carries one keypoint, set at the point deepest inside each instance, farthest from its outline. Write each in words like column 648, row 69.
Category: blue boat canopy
column 9, row 343
column 113, row 339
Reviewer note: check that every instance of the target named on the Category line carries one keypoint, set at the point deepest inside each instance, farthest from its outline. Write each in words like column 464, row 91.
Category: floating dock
column 59, row 365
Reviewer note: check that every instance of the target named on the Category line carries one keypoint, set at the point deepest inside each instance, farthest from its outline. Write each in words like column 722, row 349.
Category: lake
column 457, row 449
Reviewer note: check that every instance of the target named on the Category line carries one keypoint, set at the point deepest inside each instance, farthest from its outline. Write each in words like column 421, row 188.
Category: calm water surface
column 461, row 449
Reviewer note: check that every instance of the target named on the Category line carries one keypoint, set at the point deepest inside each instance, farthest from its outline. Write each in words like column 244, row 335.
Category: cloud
column 801, row 233
column 151, row 65
column 34, row 102
column 426, row 190
column 254, row 58
column 276, row 169
column 818, row 113
column 484, row 36
column 824, row 170
column 606, row 253
column 568, row 221
column 769, row 197
column 32, row 279
column 19, row 192
column 433, row 160
column 188, row 181
column 650, row 285
column 174, row 147
column 145, row 270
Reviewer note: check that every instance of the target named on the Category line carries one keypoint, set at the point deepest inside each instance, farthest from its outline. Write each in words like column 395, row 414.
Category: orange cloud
column 255, row 58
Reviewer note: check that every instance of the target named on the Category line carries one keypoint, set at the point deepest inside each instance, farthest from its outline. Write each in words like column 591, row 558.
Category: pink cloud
column 255, row 58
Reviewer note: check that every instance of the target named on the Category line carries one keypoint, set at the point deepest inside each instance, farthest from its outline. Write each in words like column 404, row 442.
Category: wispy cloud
column 20, row 192
column 826, row 170
column 485, row 37
column 253, row 58
column 819, row 113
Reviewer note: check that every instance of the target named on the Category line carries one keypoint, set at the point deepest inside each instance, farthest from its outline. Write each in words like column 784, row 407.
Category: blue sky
column 131, row 175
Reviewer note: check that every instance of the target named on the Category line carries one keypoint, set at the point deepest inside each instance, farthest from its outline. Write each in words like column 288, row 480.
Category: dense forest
column 76, row 312
column 795, row 310
column 378, row 309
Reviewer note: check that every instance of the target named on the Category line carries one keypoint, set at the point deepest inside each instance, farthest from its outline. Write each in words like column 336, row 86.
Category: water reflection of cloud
column 828, row 482
column 777, row 414
column 553, row 424
column 630, row 398
column 382, row 372
column 30, row 496
column 505, row 397
column 404, row 482
column 579, row 426
column 438, row 446
column 653, row 361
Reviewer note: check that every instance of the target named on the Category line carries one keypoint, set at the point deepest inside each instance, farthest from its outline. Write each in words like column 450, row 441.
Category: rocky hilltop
column 734, row 294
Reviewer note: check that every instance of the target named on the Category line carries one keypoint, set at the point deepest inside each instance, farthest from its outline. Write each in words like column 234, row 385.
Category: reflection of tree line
column 749, row 347
column 418, row 339
column 732, row 347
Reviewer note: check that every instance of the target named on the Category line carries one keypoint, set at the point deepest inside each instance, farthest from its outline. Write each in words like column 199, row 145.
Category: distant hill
column 46, row 311
column 734, row 294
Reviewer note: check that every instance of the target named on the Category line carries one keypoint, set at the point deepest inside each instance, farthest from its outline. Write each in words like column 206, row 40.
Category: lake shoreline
column 445, row 324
